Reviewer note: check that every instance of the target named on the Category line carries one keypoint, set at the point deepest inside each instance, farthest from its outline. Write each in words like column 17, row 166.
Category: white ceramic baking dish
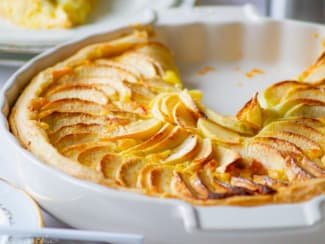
column 233, row 41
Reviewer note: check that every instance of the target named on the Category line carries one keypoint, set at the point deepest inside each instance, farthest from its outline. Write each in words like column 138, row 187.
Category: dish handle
column 280, row 216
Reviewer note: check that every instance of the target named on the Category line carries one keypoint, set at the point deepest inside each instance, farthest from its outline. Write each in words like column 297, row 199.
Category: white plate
column 106, row 15
column 18, row 210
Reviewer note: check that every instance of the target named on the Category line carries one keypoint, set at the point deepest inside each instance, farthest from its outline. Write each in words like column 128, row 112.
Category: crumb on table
column 205, row 70
column 254, row 72
column 315, row 35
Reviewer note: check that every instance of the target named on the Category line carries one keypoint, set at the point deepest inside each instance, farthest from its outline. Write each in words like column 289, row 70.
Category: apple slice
column 176, row 136
column 283, row 146
column 159, row 179
column 230, row 122
column 143, row 64
column 308, row 92
column 265, row 154
column 251, row 185
column 299, row 129
column 287, row 105
column 109, row 165
column 252, row 113
column 205, row 153
column 155, row 107
column 217, row 132
column 307, row 110
column 309, row 147
column 73, row 151
column 127, row 172
column 74, row 139
column 294, row 172
column 274, row 94
column 168, row 103
column 104, row 71
column 92, row 156
column 58, row 120
column 74, row 105
column 268, row 181
column 186, row 150
column 159, row 54
column 181, row 187
column 75, row 129
column 142, row 179
column 315, row 72
column 141, row 129
column 225, row 157
column 119, row 65
column 189, row 102
column 313, row 168
column 55, row 88
column 79, row 92
column 156, row 138
column 183, row 117
column 119, row 86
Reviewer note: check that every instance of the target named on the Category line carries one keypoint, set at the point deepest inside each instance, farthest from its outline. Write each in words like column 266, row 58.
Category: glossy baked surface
column 117, row 114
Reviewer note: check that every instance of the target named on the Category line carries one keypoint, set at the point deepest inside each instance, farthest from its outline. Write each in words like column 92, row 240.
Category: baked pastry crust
column 116, row 114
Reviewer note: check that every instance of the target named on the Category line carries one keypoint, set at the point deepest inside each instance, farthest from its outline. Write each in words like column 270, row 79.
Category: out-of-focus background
column 305, row 10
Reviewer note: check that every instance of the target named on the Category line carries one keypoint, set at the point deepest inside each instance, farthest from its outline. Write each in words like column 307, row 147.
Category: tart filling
column 117, row 114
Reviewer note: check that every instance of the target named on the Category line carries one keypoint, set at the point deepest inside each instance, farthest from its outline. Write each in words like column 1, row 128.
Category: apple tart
column 116, row 113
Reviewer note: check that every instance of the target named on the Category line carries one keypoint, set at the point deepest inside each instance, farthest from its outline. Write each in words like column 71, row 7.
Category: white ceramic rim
column 195, row 217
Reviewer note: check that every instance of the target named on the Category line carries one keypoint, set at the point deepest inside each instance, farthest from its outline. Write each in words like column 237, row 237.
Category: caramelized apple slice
column 184, row 151
column 299, row 129
column 225, row 157
column 313, row 168
column 268, row 181
column 217, row 132
column 252, row 113
column 294, row 172
column 283, row 146
column 265, row 154
column 309, row 147
column 251, row 185
column 156, row 107
column 141, row 129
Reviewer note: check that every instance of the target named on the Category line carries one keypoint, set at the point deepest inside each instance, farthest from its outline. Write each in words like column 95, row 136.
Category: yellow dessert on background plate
column 46, row 14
